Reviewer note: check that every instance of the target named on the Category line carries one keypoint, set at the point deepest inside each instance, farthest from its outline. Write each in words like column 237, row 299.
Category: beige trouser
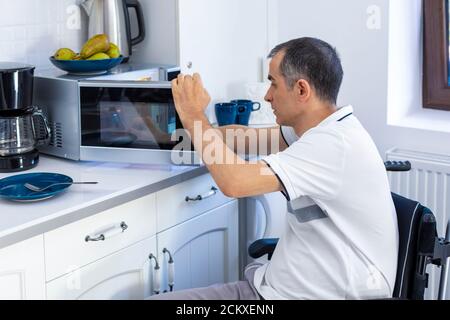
column 240, row 290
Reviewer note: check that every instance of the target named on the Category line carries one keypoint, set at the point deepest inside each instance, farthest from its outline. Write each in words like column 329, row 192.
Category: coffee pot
column 23, row 127
column 112, row 17
column 22, row 133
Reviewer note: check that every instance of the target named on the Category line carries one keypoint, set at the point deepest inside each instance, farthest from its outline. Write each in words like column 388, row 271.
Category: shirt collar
column 339, row 114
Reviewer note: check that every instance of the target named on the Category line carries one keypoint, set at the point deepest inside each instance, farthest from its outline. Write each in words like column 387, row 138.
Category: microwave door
column 135, row 123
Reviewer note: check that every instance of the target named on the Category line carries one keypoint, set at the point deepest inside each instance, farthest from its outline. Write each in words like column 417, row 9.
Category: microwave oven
column 127, row 115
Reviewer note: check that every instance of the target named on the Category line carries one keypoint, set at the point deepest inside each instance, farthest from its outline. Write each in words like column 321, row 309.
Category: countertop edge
column 79, row 214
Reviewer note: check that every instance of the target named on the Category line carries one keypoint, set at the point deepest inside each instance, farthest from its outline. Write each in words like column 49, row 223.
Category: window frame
column 436, row 89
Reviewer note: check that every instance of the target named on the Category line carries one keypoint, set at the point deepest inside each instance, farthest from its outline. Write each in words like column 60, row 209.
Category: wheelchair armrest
column 261, row 247
column 397, row 166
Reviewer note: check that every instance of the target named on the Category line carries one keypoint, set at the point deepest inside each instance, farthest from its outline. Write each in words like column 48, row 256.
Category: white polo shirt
column 341, row 236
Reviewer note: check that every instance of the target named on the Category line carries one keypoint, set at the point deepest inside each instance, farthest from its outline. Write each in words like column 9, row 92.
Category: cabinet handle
column 118, row 229
column 189, row 65
column 156, row 275
column 211, row 193
column 171, row 270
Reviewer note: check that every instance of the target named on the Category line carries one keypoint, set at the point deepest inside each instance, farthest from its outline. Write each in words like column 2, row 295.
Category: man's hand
column 191, row 98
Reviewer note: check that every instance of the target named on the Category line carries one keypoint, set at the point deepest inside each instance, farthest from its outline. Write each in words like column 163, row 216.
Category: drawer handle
column 108, row 234
column 211, row 193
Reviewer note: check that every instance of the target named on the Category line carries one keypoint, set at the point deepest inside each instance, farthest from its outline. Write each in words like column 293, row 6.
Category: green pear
column 99, row 56
column 96, row 44
column 64, row 54
column 114, row 51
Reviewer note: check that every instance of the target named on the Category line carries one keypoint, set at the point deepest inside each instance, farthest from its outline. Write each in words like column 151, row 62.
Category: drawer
column 80, row 243
column 186, row 200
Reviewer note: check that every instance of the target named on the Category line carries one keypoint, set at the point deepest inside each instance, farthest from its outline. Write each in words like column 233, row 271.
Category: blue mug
column 244, row 110
column 226, row 113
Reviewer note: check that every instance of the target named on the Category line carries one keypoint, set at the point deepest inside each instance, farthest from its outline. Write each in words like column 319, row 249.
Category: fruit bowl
column 86, row 67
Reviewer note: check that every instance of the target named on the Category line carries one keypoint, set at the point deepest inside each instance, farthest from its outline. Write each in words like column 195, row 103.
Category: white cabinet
column 204, row 249
column 80, row 243
column 124, row 275
column 204, row 252
column 107, row 256
column 225, row 40
column 22, row 272
column 187, row 200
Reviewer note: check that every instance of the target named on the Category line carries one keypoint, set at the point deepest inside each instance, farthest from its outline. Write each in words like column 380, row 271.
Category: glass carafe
column 22, row 133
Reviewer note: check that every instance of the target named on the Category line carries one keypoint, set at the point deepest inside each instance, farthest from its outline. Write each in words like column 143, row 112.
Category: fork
column 34, row 188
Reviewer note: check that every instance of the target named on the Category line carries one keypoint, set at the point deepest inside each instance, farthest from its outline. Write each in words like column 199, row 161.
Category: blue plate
column 12, row 188
column 86, row 67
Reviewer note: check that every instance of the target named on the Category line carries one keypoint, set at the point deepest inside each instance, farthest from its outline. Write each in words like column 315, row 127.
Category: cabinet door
column 22, row 271
column 124, row 275
column 225, row 40
column 204, row 250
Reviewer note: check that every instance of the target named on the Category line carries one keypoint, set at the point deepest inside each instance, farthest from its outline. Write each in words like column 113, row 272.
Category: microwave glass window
column 128, row 118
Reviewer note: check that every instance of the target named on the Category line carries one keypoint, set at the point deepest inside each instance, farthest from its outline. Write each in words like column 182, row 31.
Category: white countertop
column 118, row 183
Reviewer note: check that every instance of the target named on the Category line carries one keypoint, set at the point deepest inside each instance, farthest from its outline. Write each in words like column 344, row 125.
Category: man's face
column 282, row 98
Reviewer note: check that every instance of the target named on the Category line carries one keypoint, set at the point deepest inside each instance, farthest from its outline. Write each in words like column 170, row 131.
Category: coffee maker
column 23, row 127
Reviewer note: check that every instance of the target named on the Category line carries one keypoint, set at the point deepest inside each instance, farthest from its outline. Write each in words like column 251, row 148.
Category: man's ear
column 303, row 89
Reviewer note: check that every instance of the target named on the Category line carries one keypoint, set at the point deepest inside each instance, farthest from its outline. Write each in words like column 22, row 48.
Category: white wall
column 32, row 30
column 365, row 57
column 160, row 44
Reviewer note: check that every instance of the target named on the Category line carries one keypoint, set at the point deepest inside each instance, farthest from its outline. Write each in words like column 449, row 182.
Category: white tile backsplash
column 32, row 30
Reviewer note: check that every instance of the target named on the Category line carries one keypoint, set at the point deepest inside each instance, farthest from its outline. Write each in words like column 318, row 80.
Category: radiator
column 429, row 183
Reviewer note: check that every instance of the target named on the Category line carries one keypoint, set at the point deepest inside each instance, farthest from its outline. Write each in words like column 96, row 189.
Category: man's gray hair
column 313, row 60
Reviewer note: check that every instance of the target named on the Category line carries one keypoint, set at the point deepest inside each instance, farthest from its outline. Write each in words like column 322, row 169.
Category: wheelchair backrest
column 410, row 215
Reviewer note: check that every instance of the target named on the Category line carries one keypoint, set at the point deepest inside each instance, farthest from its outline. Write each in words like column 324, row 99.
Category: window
column 436, row 54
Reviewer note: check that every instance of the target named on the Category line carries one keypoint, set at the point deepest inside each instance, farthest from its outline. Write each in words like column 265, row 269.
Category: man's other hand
column 190, row 97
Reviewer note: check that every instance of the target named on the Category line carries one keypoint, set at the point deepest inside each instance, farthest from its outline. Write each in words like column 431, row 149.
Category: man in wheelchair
column 341, row 240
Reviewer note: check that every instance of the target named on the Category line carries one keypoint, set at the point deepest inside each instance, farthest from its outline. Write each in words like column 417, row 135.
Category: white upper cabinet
column 22, row 271
column 224, row 40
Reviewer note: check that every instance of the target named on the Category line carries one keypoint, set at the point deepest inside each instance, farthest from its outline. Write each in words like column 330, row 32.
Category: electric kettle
column 111, row 17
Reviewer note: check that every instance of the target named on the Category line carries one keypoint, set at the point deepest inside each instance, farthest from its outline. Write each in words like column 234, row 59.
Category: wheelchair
column 419, row 246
